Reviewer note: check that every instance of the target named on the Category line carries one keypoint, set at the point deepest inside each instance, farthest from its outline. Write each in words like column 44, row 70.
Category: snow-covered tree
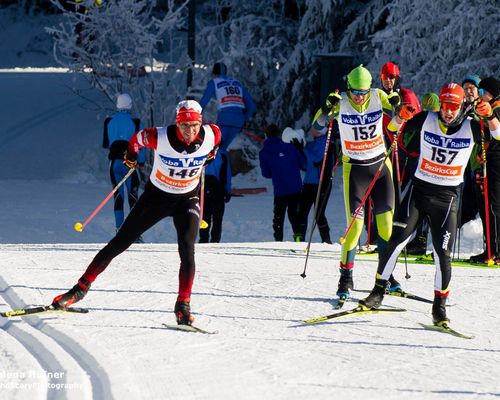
column 114, row 46
column 439, row 42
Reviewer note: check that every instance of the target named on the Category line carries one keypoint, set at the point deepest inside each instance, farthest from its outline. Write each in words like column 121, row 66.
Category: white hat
column 289, row 134
column 124, row 102
column 188, row 110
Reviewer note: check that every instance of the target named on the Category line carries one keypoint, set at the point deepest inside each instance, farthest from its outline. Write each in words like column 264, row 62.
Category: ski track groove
column 99, row 379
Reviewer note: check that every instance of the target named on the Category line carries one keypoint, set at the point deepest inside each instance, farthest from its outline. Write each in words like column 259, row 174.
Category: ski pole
column 203, row 223
column 486, row 201
column 79, row 226
column 370, row 187
column 321, row 174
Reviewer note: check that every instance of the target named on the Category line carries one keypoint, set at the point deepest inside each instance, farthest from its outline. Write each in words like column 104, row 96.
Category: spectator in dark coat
column 282, row 163
column 217, row 194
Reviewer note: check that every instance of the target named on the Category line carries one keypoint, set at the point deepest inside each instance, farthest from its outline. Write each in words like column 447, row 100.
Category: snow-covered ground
column 253, row 295
column 248, row 288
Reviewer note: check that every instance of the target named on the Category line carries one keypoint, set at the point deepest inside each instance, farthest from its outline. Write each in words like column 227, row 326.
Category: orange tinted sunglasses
column 450, row 106
column 388, row 76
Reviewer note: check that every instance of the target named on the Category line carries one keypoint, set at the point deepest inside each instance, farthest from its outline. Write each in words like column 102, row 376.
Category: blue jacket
column 282, row 163
column 315, row 152
column 220, row 167
column 118, row 130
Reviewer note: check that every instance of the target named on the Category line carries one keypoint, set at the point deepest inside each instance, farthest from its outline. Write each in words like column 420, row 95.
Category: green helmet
column 430, row 102
column 359, row 78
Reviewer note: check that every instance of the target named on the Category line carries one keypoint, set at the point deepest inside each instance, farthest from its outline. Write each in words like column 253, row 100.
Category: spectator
column 118, row 130
column 315, row 151
column 217, row 194
column 282, row 163
column 490, row 87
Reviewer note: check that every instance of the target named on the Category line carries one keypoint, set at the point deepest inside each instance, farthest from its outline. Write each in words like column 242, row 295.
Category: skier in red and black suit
column 173, row 188
column 444, row 142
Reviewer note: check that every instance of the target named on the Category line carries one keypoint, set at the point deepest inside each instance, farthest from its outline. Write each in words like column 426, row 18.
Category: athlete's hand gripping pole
column 79, row 226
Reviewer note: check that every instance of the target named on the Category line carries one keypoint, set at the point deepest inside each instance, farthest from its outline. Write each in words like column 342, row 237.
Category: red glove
column 406, row 112
column 130, row 159
column 483, row 109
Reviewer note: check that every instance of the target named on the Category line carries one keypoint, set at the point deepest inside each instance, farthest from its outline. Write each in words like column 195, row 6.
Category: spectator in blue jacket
column 118, row 130
column 235, row 106
column 282, row 163
column 217, row 193
column 315, row 151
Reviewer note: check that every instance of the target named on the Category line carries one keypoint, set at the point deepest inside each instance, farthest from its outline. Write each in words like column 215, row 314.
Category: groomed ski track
column 252, row 293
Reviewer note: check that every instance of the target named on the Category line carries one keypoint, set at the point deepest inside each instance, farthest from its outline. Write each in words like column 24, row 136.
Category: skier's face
column 189, row 130
column 450, row 112
column 359, row 96
column 388, row 82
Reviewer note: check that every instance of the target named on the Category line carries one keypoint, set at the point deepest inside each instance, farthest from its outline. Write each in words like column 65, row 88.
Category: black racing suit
column 424, row 199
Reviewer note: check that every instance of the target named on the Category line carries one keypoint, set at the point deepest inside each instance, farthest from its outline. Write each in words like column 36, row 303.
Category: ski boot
column 139, row 240
column 376, row 296
column 345, row 282
column 439, row 312
column 479, row 258
column 417, row 246
column 393, row 285
column 324, row 232
column 182, row 312
column 298, row 237
column 75, row 294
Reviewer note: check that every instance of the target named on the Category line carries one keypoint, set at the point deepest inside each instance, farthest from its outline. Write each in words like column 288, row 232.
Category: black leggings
column 153, row 206
column 439, row 203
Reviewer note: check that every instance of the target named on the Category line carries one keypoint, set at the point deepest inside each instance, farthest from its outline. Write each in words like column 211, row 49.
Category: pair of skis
column 360, row 310
column 23, row 312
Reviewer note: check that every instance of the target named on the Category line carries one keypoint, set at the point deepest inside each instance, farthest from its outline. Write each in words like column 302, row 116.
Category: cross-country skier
column 359, row 114
column 444, row 141
column 172, row 190
column 235, row 106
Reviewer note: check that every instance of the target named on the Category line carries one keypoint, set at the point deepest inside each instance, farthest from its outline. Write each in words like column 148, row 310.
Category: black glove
column 298, row 144
column 130, row 159
column 331, row 101
column 227, row 197
column 211, row 155
column 394, row 99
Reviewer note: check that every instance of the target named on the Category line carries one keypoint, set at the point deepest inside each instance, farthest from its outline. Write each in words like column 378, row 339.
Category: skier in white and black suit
column 444, row 142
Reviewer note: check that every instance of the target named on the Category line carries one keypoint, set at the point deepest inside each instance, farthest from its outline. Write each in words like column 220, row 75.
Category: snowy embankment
column 253, row 295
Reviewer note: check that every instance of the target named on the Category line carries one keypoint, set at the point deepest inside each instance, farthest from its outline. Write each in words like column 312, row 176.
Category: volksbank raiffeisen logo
column 183, row 162
column 446, row 142
column 364, row 119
